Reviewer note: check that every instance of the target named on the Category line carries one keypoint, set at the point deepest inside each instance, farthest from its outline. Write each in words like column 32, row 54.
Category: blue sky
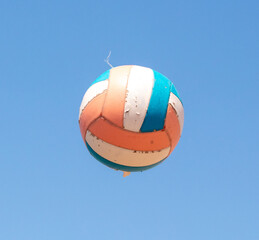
column 50, row 186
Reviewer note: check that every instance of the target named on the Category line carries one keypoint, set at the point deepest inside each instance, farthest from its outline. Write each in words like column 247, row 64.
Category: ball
column 131, row 118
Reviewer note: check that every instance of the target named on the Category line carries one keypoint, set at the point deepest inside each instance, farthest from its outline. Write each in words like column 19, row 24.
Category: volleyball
column 131, row 118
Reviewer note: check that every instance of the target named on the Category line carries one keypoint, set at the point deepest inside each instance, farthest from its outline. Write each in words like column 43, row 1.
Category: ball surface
column 131, row 118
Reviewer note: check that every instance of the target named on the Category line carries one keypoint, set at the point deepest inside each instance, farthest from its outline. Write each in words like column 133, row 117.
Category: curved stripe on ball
column 91, row 112
column 174, row 91
column 102, row 77
column 124, row 156
column 92, row 92
column 139, row 90
column 178, row 107
column 112, row 134
column 156, row 112
column 118, row 166
column 113, row 108
column 172, row 127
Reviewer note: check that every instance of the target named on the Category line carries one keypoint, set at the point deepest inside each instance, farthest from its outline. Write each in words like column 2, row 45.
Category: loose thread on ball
column 107, row 60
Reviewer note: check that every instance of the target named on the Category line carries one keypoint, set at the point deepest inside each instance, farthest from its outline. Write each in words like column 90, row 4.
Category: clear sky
column 50, row 186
